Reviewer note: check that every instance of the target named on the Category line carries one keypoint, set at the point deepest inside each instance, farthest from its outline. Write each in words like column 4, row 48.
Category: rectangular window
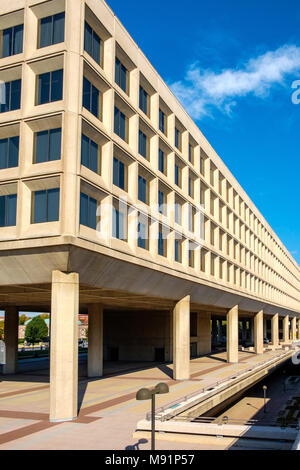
column 12, row 41
column 143, row 233
column 160, row 201
column 119, row 224
column 161, row 161
column 143, row 100
column 52, row 30
column 190, row 153
column 9, row 152
column 50, row 87
column 202, row 194
column 48, row 146
column 120, row 124
column 177, row 175
column 178, row 251
column 190, row 186
column 90, row 97
column 46, row 206
column 162, row 121
column 202, row 166
column 12, row 96
column 88, row 211
column 89, row 153
column 161, row 244
column 92, row 43
column 142, row 144
column 121, row 75
column 8, row 210
column 177, row 213
column 191, row 256
column 191, row 214
column 177, row 138
column 119, row 173
column 142, row 189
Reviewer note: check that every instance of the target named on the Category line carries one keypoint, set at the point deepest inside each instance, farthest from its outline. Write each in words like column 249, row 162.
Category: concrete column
column 203, row 333
column 294, row 329
column 233, row 335
column 95, row 350
column 275, row 329
column 11, row 324
column 286, row 336
column 259, row 332
column 64, row 347
column 181, row 340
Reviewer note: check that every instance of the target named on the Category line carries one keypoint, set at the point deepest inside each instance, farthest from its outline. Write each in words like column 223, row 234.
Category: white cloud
column 201, row 90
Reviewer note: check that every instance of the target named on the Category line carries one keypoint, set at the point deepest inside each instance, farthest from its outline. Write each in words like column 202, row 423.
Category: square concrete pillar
column 275, row 329
column 259, row 332
column 95, row 351
column 64, row 347
column 294, row 329
column 11, row 326
column 286, row 333
column 233, row 335
column 181, row 340
column 203, row 333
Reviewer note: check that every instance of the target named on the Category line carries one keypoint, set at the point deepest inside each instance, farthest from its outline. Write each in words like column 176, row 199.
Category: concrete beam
column 181, row 340
column 95, row 350
column 11, row 324
column 64, row 347
column 233, row 335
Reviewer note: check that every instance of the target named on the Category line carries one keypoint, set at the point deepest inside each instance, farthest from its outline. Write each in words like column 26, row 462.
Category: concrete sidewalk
column 109, row 411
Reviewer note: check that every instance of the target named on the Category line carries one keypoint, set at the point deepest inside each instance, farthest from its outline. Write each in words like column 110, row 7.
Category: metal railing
column 179, row 403
column 234, row 421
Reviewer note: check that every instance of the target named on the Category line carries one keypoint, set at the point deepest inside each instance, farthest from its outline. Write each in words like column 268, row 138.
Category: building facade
column 112, row 202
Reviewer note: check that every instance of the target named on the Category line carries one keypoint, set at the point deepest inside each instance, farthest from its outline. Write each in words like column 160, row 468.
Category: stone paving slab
column 109, row 411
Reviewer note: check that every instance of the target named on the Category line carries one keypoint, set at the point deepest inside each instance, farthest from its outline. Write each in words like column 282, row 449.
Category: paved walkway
column 108, row 408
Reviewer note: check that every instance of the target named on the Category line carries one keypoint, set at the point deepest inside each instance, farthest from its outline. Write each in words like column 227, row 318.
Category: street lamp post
column 265, row 398
column 149, row 394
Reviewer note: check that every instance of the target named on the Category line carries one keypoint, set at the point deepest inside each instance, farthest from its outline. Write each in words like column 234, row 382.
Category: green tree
column 36, row 330
column 23, row 319
column 45, row 316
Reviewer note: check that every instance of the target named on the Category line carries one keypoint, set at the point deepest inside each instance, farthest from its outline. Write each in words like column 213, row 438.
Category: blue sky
column 232, row 65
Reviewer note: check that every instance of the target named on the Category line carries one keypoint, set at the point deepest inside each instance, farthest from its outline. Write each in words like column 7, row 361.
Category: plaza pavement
column 109, row 411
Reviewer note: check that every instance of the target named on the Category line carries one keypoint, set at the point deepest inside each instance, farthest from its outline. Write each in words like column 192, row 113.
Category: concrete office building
column 88, row 123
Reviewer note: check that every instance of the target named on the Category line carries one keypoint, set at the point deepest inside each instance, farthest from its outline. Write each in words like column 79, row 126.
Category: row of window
column 45, row 208
column 50, row 88
column 48, row 148
column 51, row 31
